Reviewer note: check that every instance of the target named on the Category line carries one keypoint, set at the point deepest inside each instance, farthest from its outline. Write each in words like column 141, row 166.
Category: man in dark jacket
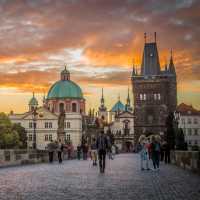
column 102, row 145
column 51, row 148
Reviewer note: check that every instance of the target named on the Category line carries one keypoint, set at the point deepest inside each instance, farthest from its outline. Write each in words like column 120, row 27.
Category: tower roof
column 150, row 60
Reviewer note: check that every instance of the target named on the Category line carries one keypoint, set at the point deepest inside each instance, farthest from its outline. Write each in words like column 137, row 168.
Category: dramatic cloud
column 38, row 37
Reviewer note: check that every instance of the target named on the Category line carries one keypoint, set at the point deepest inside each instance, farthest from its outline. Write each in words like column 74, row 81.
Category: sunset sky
column 98, row 40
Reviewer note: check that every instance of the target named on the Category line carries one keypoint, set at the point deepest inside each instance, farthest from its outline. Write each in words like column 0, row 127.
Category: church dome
column 65, row 88
column 119, row 106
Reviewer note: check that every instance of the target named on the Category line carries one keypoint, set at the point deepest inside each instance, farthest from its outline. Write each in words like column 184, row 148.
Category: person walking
column 85, row 151
column 144, row 156
column 94, row 152
column 60, row 150
column 155, row 148
column 79, row 152
column 51, row 148
column 102, row 145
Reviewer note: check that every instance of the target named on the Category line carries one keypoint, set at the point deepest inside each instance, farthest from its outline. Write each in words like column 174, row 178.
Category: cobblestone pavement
column 80, row 180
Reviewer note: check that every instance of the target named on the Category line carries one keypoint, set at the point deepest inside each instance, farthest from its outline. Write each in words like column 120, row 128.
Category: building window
column 195, row 142
column 68, row 107
column 30, row 125
column 30, row 137
column 61, row 107
column 46, row 137
column 68, row 124
column 183, row 121
column 74, row 107
column 189, row 131
column 195, row 131
column 141, row 97
column 68, row 137
column 50, row 137
column 189, row 121
column 65, row 125
column 189, row 142
column 46, row 125
column 159, row 97
column 145, row 97
column 155, row 96
column 195, row 121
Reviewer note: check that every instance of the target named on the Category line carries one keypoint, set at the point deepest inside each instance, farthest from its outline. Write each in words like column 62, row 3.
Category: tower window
column 61, row 107
column 74, row 107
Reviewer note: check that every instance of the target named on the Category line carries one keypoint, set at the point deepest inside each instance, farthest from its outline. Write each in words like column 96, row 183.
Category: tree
column 11, row 135
column 22, row 135
column 170, row 133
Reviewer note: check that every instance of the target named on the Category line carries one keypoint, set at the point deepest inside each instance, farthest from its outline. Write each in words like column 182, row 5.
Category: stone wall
column 187, row 159
column 12, row 157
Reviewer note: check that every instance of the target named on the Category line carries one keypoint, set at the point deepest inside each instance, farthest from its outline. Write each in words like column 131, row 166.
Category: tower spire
column 102, row 98
column 128, row 99
column 133, row 71
column 145, row 37
column 171, row 64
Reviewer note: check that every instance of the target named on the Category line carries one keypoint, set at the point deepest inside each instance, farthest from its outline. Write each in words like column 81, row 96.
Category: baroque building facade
column 41, row 122
column 154, row 92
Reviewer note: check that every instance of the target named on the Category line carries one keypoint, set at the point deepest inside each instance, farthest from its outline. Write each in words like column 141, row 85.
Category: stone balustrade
column 12, row 157
column 187, row 159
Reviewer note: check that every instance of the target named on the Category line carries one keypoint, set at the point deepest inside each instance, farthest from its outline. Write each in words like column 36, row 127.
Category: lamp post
column 34, row 116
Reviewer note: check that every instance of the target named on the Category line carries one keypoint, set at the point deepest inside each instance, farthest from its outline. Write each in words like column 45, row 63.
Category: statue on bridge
column 61, row 127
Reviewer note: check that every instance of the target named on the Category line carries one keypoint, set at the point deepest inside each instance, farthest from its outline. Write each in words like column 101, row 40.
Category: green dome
column 65, row 89
column 119, row 106
column 33, row 101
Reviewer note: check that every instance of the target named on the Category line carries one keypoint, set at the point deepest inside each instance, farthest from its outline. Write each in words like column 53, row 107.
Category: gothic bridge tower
column 154, row 92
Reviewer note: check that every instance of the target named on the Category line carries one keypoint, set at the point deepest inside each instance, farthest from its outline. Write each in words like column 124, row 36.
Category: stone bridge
column 75, row 179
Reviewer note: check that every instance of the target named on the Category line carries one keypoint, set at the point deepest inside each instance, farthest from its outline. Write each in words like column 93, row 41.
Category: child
column 94, row 152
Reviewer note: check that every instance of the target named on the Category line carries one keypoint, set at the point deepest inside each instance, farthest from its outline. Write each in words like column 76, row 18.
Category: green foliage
column 11, row 135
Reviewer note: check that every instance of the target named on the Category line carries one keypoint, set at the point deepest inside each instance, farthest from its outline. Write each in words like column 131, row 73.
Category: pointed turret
column 171, row 65
column 128, row 101
column 102, row 106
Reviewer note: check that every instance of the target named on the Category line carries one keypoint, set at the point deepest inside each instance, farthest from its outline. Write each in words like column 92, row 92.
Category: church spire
column 102, row 99
column 171, row 64
column 133, row 72
column 128, row 102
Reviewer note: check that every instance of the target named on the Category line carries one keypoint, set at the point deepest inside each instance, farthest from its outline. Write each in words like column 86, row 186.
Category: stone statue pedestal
column 61, row 136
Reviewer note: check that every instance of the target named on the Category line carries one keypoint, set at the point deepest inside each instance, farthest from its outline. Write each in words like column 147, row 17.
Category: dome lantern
column 65, row 75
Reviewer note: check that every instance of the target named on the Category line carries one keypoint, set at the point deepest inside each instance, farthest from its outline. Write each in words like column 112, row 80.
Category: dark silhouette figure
column 102, row 145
